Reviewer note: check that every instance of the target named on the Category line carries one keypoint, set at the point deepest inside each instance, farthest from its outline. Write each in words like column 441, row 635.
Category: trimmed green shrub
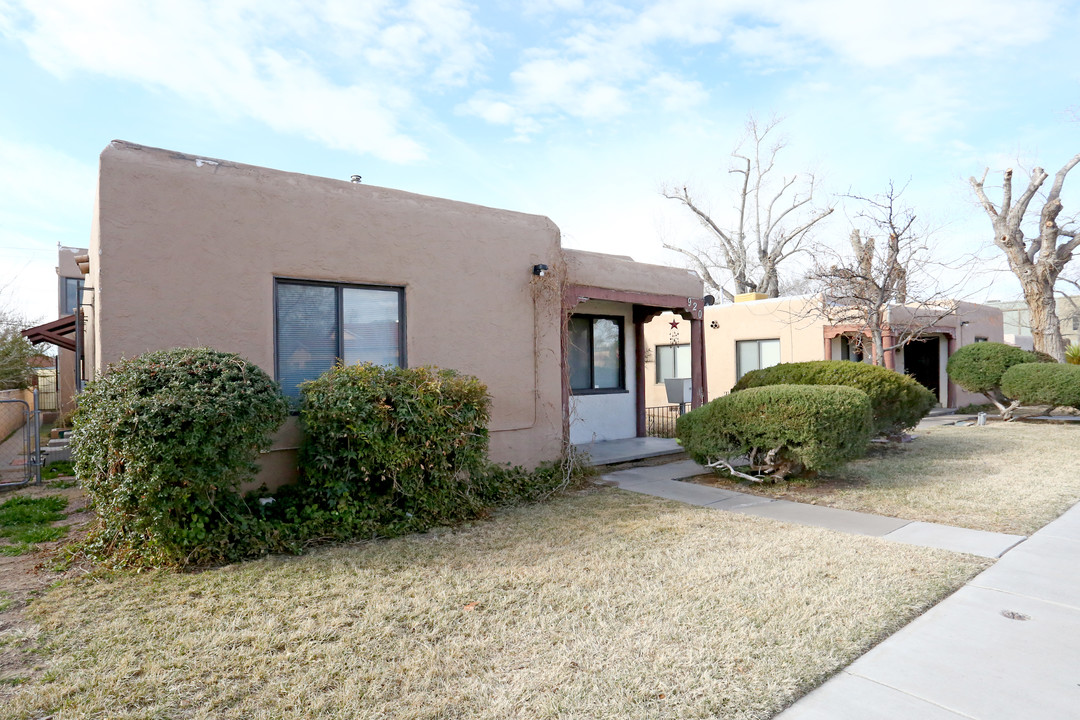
column 1043, row 384
column 978, row 367
column 390, row 450
column 807, row 427
column 163, row 441
column 898, row 402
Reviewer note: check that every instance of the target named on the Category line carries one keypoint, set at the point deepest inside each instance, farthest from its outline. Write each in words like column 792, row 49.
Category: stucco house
column 296, row 272
column 759, row 332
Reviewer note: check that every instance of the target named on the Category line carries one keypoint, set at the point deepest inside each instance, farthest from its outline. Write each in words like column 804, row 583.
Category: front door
column 922, row 361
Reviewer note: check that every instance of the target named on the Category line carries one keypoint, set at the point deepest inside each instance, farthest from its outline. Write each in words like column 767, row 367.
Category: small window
column 318, row 324
column 70, row 295
column 756, row 354
column 595, row 354
column 981, row 339
column 672, row 361
column 1076, row 322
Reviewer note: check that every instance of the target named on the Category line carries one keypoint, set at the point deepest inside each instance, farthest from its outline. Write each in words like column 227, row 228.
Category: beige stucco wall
column 12, row 415
column 620, row 272
column 185, row 250
column 788, row 319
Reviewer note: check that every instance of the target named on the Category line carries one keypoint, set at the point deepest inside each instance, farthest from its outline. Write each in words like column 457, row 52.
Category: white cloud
column 332, row 74
column 606, row 56
column 879, row 34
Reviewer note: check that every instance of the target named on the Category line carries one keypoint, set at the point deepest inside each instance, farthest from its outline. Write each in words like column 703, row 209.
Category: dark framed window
column 70, row 295
column 596, row 347
column 981, row 339
column 317, row 324
column 756, row 354
column 672, row 361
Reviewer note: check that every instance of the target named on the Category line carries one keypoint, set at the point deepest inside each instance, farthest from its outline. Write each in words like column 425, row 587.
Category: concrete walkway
column 664, row 481
column 1005, row 646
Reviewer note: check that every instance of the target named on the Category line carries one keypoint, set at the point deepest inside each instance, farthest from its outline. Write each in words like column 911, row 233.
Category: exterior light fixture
column 709, row 300
column 355, row 178
column 540, row 270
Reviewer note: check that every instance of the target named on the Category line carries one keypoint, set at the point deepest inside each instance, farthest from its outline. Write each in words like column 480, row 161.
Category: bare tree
column 771, row 219
column 882, row 290
column 1037, row 262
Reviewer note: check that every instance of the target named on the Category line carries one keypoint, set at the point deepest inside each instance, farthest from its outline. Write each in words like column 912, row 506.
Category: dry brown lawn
column 601, row 605
column 1004, row 477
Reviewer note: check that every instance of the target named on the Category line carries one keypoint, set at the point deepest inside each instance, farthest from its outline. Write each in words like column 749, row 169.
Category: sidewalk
column 1004, row 646
column 664, row 481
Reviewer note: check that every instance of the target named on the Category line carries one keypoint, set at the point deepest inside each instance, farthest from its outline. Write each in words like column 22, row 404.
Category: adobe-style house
column 760, row 332
column 296, row 273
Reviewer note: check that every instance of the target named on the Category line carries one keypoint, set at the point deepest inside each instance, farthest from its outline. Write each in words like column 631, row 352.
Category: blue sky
column 578, row 111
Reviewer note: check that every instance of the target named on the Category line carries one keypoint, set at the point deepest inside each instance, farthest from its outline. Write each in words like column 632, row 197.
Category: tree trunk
column 1045, row 326
column 879, row 347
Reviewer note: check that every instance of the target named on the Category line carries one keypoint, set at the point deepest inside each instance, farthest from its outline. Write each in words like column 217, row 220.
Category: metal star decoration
column 674, row 324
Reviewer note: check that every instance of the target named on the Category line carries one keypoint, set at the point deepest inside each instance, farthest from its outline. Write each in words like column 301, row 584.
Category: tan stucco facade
column 804, row 335
column 185, row 251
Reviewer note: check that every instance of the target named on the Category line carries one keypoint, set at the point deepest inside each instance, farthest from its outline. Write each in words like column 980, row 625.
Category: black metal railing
column 660, row 421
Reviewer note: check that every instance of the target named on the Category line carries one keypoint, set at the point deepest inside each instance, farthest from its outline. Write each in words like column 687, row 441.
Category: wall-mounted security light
column 540, row 270
column 709, row 300
column 355, row 178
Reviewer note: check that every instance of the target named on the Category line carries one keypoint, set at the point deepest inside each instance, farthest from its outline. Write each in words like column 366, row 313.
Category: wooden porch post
column 951, row 401
column 697, row 362
column 639, row 372
column 890, row 355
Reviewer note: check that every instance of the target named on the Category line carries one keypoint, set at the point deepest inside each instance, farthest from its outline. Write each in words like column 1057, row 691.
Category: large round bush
column 391, row 448
column 163, row 441
column 898, row 402
column 979, row 367
column 1043, row 384
column 816, row 427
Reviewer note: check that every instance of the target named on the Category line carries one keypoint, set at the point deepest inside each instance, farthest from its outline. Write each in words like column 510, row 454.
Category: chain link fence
column 20, row 444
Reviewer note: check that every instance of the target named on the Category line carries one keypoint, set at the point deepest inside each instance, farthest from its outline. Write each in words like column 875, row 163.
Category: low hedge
column 897, row 401
column 1043, row 384
column 389, row 450
column 162, row 442
column 816, row 427
column 979, row 367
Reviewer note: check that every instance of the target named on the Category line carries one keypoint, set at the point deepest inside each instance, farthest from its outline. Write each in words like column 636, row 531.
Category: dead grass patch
column 1004, row 477
column 604, row 605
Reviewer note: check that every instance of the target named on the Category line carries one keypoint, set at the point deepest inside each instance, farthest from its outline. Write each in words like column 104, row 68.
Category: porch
column 610, row 452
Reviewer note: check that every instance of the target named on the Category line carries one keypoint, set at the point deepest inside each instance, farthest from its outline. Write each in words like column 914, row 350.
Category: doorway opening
column 922, row 361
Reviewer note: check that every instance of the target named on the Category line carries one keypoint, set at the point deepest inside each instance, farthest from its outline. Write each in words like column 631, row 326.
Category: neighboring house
column 758, row 333
column 1016, row 319
column 71, row 268
column 297, row 272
